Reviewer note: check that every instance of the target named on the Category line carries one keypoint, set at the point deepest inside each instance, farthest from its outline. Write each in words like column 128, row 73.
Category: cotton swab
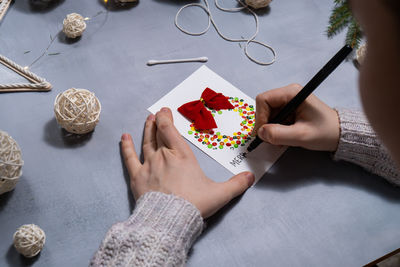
column 183, row 60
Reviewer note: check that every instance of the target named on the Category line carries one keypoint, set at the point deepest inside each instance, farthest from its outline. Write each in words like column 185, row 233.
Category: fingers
column 272, row 100
column 278, row 134
column 149, row 139
column 131, row 159
column 236, row 186
column 167, row 134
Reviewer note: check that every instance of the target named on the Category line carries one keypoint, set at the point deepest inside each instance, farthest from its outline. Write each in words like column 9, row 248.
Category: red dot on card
column 207, row 136
column 214, row 144
column 200, row 140
column 228, row 144
column 231, row 138
column 238, row 142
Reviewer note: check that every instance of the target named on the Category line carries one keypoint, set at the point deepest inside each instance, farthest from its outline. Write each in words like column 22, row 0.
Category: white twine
column 77, row 110
column 206, row 9
column 10, row 162
column 29, row 240
column 4, row 4
column 74, row 25
column 38, row 83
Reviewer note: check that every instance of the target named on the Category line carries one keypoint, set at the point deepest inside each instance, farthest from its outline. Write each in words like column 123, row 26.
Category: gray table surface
column 306, row 211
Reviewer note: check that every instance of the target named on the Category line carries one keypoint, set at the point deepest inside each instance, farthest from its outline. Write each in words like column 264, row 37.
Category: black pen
column 306, row 91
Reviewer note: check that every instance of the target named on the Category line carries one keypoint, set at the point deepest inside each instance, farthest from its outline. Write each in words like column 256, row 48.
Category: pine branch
column 354, row 34
column 339, row 19
column 340, row 2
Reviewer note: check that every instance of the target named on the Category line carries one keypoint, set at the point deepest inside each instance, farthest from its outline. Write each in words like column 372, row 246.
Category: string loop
column 206, row 8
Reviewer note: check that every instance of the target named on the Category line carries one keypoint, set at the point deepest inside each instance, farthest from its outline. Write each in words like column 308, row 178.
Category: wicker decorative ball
column 77, row 110
column 29, row 240
column 256, row 4
column 10, row 163
column 74, row 25
column 361, row 52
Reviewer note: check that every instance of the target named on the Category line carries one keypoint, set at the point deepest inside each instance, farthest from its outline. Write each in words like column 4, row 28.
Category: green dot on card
column 235, row 145
column 210, row 146
column 219, row 112
column 218, row 133
column 190, row 132
column 221, row 147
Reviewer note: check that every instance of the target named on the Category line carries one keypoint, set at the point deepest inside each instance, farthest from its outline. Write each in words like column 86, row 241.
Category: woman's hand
column 315, row 125
column 170, row 167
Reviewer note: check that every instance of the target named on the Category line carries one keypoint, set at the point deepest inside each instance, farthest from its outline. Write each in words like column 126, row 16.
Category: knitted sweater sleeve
column 359, row 144
column 160, row 232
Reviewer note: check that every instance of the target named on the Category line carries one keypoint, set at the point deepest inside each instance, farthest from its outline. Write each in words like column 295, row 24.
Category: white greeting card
column 226, row 144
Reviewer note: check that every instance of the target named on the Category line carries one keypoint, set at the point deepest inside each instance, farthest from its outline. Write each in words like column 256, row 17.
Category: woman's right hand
column 315, row 125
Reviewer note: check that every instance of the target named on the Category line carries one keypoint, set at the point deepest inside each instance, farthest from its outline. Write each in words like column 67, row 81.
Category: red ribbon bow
column 197, row 112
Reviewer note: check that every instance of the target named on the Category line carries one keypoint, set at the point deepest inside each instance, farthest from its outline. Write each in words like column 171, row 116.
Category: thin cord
column 56, row 36
column 206, row 9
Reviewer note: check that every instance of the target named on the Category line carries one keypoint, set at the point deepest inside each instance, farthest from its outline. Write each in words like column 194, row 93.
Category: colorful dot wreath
column 215, row 140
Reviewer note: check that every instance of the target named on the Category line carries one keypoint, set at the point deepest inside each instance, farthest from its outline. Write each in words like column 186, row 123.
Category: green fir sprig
column 341, row 17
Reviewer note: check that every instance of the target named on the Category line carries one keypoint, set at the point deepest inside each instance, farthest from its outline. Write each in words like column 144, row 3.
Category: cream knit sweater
column 163, row 227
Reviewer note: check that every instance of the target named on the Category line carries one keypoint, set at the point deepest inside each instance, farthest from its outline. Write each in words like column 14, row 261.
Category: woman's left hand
column 170, row 167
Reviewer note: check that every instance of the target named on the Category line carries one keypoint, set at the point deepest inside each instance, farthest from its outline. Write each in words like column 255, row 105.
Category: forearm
column 359, row 144
column 160, row 232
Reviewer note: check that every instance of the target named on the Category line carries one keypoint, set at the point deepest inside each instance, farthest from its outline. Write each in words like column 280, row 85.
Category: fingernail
column 164, row 109
column 125, row 137
column 151, row 117
column 250, row 177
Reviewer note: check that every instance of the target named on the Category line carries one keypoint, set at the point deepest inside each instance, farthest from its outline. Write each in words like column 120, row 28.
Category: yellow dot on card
column 233, row 142
column 248, row 129
column 219, row 136
column 192, row 128
column 235, row 110
column 241, row 114
column 226, row 140
column 206, row 140
column 234, row 133
column 247, row 108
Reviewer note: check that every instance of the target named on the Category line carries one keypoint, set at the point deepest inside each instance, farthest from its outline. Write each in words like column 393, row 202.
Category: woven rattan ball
column 257, row 3
column 361, row 52
column 77, row 110
column 10, row 163
column 29, row 240
column 74, row 25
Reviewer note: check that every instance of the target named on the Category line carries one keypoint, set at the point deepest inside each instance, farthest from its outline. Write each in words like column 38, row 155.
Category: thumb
column 236, row 185
column 278, row 134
